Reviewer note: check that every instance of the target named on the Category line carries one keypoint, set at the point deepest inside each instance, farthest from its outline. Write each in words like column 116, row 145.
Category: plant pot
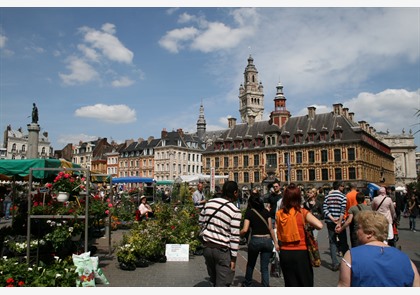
column 127, row 266
column 76, row 237
column 63, row 197
column 142, row 262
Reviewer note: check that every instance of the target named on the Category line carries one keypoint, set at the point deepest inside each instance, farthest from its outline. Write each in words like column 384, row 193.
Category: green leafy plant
column 60, row 234
column 20, row 247
column 126, row 253
column 60, row 273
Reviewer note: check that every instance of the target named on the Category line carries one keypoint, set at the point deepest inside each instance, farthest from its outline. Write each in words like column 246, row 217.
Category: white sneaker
column 414, row 230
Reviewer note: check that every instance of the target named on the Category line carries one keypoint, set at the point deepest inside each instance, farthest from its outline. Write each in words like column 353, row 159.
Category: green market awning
column 21, row 168
column 165, row 182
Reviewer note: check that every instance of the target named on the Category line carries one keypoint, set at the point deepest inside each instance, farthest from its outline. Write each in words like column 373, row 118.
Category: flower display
column 20, row 247
column 60, row 273
column 66, row 182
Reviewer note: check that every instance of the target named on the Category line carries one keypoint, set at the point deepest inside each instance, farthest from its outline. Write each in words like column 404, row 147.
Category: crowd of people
column 276, row 223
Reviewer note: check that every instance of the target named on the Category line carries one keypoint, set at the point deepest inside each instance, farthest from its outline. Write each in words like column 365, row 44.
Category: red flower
column 10, row 281
column 21, row 283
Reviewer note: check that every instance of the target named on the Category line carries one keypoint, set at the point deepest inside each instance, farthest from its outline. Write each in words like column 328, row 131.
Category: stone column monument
column 33, row 137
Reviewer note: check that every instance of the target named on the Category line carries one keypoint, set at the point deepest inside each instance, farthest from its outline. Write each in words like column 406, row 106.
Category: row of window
column 300, row 175
column 297, row 157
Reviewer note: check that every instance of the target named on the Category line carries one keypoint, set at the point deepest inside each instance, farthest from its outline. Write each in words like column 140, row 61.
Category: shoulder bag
column 200, row 235
column 311, row 244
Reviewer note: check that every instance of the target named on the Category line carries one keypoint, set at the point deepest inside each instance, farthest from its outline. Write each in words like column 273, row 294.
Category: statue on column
column 34, row 114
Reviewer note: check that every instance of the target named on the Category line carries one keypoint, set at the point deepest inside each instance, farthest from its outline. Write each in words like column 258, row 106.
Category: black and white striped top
column 224, row 227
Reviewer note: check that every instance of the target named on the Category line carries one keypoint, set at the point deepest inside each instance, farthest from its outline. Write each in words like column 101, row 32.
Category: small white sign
column 177, row 252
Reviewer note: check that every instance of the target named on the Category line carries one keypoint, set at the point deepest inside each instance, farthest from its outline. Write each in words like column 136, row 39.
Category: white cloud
column 115, row 114
column 64, row 139
column 3, row 40
column 391, row 109
column 211, row 36
column 173, row 40
column 122, row 82
column 219, row 36
column 105, row 41
column 315, row 51
column 89, row 53
column 80, row 72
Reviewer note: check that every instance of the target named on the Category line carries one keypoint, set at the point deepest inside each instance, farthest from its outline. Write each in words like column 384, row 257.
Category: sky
column 130, row 72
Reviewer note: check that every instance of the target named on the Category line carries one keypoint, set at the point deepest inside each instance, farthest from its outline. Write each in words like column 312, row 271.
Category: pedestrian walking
column 334, row 208
column 294, row 257
column 262, row 239
column 221, row 220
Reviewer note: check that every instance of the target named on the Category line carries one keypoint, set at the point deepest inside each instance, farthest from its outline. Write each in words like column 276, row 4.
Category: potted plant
column 126, row 256
column 60, row 234
column 65, row 184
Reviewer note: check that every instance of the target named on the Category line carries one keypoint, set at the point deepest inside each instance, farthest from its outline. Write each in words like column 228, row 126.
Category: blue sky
column 127, row 73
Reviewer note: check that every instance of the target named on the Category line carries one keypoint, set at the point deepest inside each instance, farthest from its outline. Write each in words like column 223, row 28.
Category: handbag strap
column 380, row 203
column 211, row 216
column 304, row 224
column 261, row 218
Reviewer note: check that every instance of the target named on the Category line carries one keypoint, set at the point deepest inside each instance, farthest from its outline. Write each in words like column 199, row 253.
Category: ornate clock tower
column 251, row 96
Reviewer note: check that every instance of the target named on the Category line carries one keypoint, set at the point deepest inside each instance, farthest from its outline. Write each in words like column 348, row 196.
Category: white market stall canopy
column 198, row 178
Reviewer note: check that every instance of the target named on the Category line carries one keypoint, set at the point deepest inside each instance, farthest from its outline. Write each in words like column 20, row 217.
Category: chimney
column 338, row 109
column 164, row 133
column 351, row 116
column 311, row 112
column 346, row 112
column 128, row 142
column 149, row 139
column 180, row 132
column 362, row 124
column 231, row 122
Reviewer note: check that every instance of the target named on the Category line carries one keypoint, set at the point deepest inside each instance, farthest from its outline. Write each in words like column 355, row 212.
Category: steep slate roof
column 172, row 138
column 303, row 125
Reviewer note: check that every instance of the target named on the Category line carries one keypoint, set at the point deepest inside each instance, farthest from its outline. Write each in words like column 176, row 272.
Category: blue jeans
column 263, row 247
column 412, row 219
column 335, row 244
column 6, row 209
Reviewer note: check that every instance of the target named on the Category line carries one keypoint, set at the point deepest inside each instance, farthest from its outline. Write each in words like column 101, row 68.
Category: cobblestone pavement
column 193, row 273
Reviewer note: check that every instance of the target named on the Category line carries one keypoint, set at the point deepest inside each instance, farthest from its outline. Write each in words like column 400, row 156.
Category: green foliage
column 60, row 234
column 60, row 273
column 171, row 225
column 185, row 193
column 125, row 208
column 20, row 247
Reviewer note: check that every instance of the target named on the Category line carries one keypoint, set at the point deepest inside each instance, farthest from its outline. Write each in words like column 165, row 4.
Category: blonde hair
column 372, row 222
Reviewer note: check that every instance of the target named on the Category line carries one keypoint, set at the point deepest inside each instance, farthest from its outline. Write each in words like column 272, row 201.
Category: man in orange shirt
column 351, row 201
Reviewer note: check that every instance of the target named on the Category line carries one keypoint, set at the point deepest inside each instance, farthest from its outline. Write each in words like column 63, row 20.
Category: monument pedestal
column 33, row 139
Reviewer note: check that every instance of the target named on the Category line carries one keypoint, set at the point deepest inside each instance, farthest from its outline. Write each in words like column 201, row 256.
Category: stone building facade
column 312, row 150
column 403, row 150
column 16, row 142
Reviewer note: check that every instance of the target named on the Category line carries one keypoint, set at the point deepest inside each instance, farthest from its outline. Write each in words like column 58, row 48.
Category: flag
column 288, row 167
